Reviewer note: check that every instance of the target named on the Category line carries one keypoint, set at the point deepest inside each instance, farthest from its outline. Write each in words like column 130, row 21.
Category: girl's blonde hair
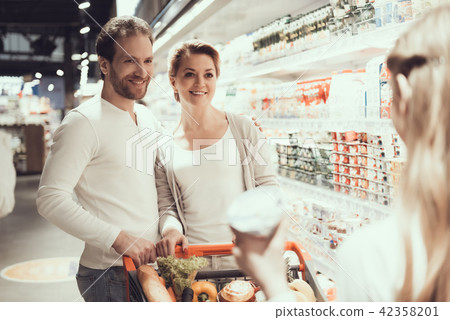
column 422, row 54
column 184, row 49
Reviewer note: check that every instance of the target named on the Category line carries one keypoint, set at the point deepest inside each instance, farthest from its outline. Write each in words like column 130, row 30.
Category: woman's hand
column 166, row 246
column 262, row 259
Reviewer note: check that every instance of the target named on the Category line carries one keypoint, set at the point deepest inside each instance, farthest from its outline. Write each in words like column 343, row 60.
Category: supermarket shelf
column 325, row 261
column 335, row 199
column 378, row 126
column 354, row 50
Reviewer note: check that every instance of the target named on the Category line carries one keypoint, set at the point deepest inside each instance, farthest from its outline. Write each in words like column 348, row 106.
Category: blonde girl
column 405, row 258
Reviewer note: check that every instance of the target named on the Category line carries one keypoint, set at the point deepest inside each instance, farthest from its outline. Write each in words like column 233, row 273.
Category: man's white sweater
column 89, row 156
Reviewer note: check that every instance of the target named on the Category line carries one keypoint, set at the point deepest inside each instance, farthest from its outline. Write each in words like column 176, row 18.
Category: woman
column 215, row 155
column 405, row 257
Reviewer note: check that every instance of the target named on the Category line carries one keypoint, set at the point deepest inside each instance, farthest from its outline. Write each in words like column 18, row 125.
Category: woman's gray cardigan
column 257, row 170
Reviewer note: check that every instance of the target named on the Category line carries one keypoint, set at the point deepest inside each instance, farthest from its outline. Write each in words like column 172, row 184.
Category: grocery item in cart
column 237, row 291
column 204, row 291
column 180, row 273
column 302, row 288
column 153, row 288
column 305, row 269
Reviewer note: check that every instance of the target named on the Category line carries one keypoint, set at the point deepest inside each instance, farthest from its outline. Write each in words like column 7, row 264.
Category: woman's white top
column 209, row 179
column 372, row 262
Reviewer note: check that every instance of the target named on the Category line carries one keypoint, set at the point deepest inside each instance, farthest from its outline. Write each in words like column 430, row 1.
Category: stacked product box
column 367, row 166
column 322, row 228
column 306, row 159
column 312, row 98
column 306, row 228
column 378, row 89
column 306, row 99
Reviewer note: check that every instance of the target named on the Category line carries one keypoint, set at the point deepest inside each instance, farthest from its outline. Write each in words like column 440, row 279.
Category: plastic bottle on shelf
column 405, row 11
column 385, row 92
column 374, row 82
column 367, row 19
column 379, row 8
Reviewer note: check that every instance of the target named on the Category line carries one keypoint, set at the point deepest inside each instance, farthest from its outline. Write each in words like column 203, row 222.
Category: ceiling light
column 85, row 62
column 157, row 25
column 76, row 57
column 84, row 55
column 85, row 30
column 59, row 72
column 50, row 87
column 38, row 75
column 93, row 57
column 84, row 5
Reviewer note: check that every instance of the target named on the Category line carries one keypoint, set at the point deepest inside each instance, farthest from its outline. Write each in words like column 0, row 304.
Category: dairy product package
column 258, row 211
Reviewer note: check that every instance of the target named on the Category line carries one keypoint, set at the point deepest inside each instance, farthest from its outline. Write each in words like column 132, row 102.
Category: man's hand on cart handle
column 142, row 251
column 166, row 246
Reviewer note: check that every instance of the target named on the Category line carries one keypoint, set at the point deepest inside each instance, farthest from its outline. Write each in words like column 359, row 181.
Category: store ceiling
column 242, row 16
column 53, row 16
column 48, row 20
column 238, row 17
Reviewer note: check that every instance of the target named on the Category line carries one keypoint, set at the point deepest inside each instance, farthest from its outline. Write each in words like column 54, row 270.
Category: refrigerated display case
column 319, row 85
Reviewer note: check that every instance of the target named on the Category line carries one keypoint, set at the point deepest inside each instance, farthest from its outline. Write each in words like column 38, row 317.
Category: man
column 118, row 208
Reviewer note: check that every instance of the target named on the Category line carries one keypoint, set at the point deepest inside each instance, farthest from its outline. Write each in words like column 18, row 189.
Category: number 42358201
column 409, row 311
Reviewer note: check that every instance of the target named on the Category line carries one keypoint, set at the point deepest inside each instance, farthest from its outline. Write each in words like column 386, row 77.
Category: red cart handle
column 223, row 249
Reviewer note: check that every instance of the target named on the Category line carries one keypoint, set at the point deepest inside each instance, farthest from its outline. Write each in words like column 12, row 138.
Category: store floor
column 24, row 236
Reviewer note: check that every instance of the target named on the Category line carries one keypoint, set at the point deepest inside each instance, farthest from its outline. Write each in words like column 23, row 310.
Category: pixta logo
column 227, row 150
column 142, row 150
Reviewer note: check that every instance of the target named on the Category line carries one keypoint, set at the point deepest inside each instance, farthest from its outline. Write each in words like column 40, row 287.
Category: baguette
column 303, row 287
column 153, row 289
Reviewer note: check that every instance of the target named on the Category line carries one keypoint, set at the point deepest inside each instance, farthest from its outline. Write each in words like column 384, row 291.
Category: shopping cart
column 221, row 277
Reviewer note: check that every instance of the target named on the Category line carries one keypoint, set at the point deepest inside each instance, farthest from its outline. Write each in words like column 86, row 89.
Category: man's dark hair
column 116, row 28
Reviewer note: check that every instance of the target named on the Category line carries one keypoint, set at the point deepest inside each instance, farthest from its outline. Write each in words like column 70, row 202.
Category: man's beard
column 123, row 90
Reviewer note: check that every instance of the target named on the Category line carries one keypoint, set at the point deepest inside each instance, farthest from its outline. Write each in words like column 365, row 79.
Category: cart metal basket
column 305, row 269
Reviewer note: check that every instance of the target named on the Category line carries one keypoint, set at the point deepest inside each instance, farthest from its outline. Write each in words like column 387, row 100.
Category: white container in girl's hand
column 258, row 211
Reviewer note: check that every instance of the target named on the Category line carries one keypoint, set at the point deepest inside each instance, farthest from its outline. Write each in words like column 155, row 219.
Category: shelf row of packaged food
column 357, row 48
column 359, row 164
column 335, row 199
column 327, row 94
column 329, row 125
column 322, row 220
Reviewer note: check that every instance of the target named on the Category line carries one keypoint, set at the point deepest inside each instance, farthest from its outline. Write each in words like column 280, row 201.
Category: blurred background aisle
column 25, row 236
